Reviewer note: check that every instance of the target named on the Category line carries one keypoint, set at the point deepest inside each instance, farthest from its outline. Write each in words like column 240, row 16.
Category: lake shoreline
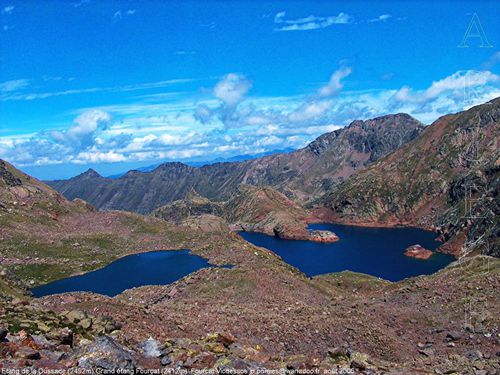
column 122, row 259
column 375, row 251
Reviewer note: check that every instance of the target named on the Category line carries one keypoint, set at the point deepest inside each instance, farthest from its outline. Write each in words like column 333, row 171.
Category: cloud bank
column 227, row 120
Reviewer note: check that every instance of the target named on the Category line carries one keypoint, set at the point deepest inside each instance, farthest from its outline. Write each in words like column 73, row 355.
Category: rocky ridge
column 254, row 209
column 447, row 180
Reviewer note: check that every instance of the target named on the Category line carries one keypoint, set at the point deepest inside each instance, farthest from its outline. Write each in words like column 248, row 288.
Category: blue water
column 153, row 268
column 374, row 251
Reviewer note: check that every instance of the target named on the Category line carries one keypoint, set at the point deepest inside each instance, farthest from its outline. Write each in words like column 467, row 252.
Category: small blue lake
column 374, row 251
column 152, row 268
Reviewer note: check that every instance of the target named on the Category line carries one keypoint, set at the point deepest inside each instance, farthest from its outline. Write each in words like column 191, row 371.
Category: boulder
column 27, row 353
column 3, row 333
column 453, row 336
column 63, row 336
column 86, row 323
column 105, row 353
column 76, row 316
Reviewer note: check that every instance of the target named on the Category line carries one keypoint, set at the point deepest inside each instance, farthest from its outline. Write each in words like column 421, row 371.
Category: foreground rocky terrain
column 242, row 319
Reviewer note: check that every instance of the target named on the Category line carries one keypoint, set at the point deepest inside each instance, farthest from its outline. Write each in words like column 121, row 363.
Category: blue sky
column 119, row 84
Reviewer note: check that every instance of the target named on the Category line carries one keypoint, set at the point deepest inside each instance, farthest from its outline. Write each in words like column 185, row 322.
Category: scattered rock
column 165, row 361
column 63, row 336
column 27, row 353
column 428, row 352
column 474, row 355
column 43, row 327
column 225, row 339
column 151, row 348
column 358, row 365
column 453, row 336
column 76, row 316
column 86, row 323
column 3, row 333
column 336, row 353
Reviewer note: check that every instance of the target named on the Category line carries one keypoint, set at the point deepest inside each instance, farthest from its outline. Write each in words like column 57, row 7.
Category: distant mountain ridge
column 301, row 175
column 201, row 163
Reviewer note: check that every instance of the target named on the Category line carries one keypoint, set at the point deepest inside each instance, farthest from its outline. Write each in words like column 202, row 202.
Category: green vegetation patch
column 41, row 273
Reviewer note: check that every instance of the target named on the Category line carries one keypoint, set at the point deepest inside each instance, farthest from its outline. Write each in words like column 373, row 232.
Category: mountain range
column 201, row 163
column 301, row 175
column 390, row 170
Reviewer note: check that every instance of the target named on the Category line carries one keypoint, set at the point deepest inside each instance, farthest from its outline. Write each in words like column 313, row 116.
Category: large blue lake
column 153, row 268
column 374, row 251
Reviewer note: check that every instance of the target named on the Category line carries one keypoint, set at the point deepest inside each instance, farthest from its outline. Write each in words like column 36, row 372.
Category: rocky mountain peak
column 90, row 173
column 172, row 165
column 392, row 120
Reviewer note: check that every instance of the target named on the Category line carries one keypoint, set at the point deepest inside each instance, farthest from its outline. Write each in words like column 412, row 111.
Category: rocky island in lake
column 417, row 251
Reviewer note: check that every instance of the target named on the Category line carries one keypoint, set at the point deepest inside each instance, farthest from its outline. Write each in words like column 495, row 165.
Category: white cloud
column 99, row 157
column 8, row 9
column 381, row 18
column 269, row 141
column 234, row 123
column 237, row 111
column 492, row 61
column 457, row 84
column 232, row 88
column 170, row 140
column 117, row 15
column 14, row 85
column 83, row 132
column 279, row 17
column 310, row 111
column 310, row 22
column 203, row 114
column 124, row 88
column 335, row 85
column 184, row 53
column 81, row 2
